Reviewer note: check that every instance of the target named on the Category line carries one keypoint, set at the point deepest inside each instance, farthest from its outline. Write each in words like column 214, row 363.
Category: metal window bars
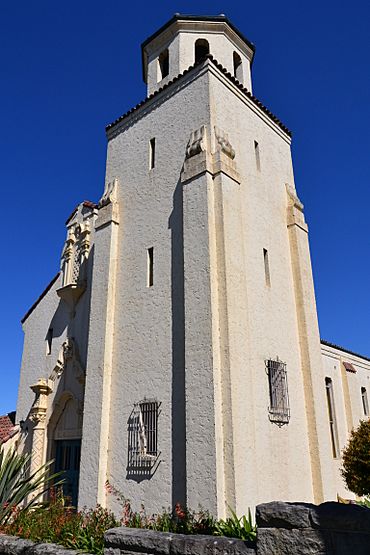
column 143, row 433
column 279, row 411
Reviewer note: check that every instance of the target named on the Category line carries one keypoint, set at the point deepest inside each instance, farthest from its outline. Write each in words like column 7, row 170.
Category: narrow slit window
column 201, row 49
column 49, row 341
column 151, row 153
column 267, row 267
column 365, row 404
column 332, row 417
column 238, row 67
column 150, row 267
column 279, row 410
column 163, row 65
column 257, row 155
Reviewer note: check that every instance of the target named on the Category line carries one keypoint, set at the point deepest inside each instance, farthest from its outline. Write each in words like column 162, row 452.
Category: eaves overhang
column 343, row 349
column 208, row 59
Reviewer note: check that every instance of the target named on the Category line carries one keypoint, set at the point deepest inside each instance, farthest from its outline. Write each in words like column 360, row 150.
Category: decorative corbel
column 110, row 193
column 224, row 156
column 108, row 205
column 197, row 142
column 223, row 143
column 295, row 215
column 293, row 199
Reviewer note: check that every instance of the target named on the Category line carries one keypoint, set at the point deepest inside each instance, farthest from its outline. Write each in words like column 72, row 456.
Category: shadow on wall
column 178, row 417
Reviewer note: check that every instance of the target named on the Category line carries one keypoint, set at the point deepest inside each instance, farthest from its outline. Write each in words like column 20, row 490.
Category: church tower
column 203, row 379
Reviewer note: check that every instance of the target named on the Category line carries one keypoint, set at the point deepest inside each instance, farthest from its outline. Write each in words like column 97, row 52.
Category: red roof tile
column 226, row 73
column 86, row 203
column 6, row 428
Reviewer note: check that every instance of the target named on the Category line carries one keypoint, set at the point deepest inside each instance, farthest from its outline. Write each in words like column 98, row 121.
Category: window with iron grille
column 143, row 433
column 279, row 411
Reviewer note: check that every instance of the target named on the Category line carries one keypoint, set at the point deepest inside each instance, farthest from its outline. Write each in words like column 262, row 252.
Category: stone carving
column 223, row 143
column 75, row 252
column 110, row 193
column 197, row 142
column 293, row 198
column 67, row 352
column 40, row 404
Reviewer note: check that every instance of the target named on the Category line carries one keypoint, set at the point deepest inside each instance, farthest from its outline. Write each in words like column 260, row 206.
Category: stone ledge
column 130, row 540
column 327, row 516
column 11, row 545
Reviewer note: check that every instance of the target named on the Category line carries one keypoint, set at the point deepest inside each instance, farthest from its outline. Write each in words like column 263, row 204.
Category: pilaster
column 210, row 182
column 95, row 436
column 310, row 349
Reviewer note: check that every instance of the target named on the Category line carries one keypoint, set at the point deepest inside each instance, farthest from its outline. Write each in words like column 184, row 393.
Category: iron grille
column 143, row 433
column 279, row 411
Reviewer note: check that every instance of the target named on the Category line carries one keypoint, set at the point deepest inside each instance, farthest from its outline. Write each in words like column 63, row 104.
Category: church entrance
column 67, row 459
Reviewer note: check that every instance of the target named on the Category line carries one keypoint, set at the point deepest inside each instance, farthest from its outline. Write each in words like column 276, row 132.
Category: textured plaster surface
column 148, row 359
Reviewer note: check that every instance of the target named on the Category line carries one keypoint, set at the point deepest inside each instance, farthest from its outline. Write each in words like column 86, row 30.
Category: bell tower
column 185, row 40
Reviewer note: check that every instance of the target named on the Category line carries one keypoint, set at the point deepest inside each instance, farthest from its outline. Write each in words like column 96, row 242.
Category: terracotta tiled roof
column 227, row 74
column 6, row 427
column 328, row 344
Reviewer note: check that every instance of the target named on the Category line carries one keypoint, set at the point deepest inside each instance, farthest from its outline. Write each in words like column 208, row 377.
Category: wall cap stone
column 327, row 516
column 12, row 545
column 123, row 540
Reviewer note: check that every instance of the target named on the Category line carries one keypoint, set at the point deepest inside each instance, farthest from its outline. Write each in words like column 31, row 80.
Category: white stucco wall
column 268, row 459
column 347, row 400
column 149, row 320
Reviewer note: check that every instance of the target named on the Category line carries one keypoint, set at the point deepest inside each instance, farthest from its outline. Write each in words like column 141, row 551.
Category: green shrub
column 356, row 460
column 56, row 523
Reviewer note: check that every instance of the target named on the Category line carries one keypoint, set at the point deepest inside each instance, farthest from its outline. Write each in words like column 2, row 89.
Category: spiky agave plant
column 18, row 486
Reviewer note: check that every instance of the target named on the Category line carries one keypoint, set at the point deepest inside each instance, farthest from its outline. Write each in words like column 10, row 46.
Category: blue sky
column 68, row 69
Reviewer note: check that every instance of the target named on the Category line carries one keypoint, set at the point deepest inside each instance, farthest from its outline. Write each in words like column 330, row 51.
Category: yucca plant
column 18, row 486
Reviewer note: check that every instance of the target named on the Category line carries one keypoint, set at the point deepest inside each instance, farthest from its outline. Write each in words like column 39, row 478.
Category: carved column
column 38, row 417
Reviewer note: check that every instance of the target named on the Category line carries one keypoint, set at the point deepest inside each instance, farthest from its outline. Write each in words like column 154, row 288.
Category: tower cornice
column 208, row 63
